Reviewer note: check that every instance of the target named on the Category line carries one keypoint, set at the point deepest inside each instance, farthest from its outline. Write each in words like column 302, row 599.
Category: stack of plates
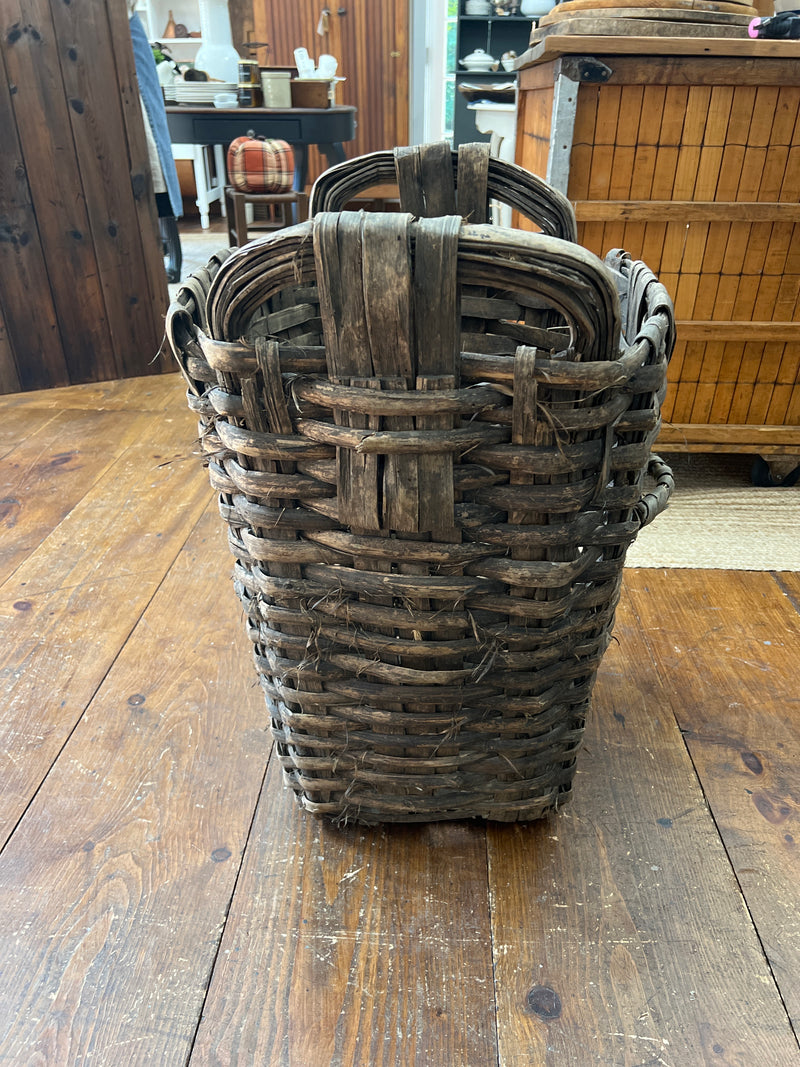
column 201, row 92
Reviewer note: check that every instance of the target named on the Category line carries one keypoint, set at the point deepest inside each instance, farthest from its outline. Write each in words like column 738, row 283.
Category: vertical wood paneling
column 619, row 187
column 685, row 294
column 533, row 145
column 89, row 275
column 701, row 403
column 676, row 363
column 792, row 264
column 144, row 220
column 9, row 379
column 705, row 186
column 780, row 241
column 605, row 136
column 243, row 28
column 45, row 131
column 736, row 248
column 98, row 130
column 28, row 329
column 762, row 391
column 694, row 249
column 644, row 165
column 780, row 405
column 774, row 169
column 363, row 39
column 765, row 298
column 757, row 246
column 790, row 186
column 695, row 134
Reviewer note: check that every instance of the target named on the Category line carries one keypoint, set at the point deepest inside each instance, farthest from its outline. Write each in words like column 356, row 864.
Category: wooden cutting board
column 665, row 8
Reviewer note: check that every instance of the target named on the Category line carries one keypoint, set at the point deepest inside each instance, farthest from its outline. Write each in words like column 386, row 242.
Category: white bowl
column 225, row 100
column 534, row 9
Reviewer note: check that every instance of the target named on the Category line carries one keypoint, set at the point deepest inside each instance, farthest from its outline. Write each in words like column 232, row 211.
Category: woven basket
column 429, row 496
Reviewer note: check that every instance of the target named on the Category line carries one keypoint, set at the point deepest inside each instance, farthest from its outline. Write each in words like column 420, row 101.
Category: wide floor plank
column 72, row 602
column 155, row 393
column 727, row 647
column 46, row 475
column 17, row 424
column 620, row 935
column 366, row 946
column 116, row 883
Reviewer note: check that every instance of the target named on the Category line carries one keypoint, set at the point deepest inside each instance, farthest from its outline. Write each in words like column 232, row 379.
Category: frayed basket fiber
column 430, row 441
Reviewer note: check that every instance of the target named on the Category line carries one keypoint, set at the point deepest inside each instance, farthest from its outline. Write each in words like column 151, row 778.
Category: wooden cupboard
column 686, row 152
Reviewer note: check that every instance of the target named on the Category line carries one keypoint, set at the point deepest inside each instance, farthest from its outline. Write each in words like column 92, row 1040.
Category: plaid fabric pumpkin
column 258, row 165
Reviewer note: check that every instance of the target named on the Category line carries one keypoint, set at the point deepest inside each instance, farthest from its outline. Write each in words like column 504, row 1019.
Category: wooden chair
column 283, row 209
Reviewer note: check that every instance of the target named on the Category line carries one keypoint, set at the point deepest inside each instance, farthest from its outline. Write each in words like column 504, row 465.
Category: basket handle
column 654, row 502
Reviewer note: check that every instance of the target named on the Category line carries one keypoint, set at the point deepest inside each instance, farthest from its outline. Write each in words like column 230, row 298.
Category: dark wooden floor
column 163, row 901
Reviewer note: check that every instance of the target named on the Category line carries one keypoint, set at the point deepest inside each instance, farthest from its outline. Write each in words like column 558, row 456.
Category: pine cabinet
column 686, row 153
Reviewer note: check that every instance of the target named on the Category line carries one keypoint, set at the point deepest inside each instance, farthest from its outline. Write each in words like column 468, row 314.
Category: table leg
column 219, row 166
column 300, row 166
column 201, row 182
column 333, row 152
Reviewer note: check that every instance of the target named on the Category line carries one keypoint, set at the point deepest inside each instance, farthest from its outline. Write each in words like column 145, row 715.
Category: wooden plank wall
column 371, row 42
column 82, row 283
column 694, row 166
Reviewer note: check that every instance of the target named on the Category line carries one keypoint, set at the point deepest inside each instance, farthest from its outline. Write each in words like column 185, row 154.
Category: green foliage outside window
column 450, row 88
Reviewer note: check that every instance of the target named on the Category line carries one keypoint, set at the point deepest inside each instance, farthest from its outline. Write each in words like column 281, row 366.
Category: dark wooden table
column 325, row 127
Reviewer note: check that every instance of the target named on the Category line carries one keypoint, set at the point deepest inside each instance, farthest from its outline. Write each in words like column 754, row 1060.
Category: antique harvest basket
column 430, row 440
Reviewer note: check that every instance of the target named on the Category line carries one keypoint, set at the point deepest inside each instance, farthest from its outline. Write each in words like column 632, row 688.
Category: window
column 450, row 67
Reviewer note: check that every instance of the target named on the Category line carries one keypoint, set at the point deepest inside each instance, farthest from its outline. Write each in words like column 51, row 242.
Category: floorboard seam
column 490, row 900
column 710, row 810
column 228, row 907
column 742, row 894
column 786, row 591
column 101, row 682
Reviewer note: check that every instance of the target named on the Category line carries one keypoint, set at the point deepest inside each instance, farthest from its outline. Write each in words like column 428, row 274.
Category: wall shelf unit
column 495, row 34
column 155, row 16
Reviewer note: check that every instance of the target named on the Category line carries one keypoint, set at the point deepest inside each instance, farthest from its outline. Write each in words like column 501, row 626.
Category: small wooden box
column 311, row 92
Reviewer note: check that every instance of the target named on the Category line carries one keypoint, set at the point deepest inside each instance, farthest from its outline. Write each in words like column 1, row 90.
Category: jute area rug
column 718, row 519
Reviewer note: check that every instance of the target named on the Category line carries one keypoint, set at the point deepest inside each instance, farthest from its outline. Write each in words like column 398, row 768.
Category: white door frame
column 427, row 70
